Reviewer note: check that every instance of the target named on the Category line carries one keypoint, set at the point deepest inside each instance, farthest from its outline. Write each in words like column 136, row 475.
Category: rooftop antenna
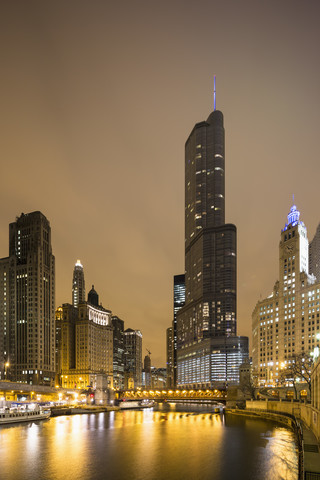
column 214, row 92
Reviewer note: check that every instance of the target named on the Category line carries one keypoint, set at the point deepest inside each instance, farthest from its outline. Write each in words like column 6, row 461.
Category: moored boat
column 9, row 415
column 136, row 404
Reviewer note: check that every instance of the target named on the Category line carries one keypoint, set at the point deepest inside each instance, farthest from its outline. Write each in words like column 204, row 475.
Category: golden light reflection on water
column 148, row 444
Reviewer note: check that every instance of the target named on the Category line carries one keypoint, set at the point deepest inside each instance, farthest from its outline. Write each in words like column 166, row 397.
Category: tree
column 297, row 370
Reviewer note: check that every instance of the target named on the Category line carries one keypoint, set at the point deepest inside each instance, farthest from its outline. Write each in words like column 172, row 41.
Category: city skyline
column 96, row 113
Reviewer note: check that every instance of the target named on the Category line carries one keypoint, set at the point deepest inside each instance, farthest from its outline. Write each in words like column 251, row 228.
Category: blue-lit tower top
column 293, row 218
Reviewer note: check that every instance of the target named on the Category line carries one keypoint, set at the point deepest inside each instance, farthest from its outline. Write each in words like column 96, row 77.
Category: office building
column 133, row 358
column 179, row 300
column 209, row 352
column 118, row 352
column 314, row 255
column 78, row 285
column 170, row 375
column 85, row 344
column 286, row 323
column 27, row 303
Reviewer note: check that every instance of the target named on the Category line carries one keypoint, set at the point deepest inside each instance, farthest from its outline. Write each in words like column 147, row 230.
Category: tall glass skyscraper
column 179, row 300
column 208, row 319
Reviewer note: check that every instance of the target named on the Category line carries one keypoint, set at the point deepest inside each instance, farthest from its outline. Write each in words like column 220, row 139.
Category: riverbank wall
column 308, row 414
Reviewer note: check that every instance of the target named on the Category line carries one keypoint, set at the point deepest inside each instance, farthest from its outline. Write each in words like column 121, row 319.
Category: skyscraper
column 208, row 350
column 314, row 254
column 118, row 352
column 27, row 302
column 133, row 356
column 85, row 343
column 287, row 322
column 179, row 300
column 169, row 351
column 78, row 285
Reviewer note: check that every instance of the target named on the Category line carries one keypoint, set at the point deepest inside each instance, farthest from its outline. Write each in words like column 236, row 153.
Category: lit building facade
column 85, row 343
column 206, row 326
column 179, row 300
column 133, row 357
column 286, row 323
column 27, row 303
column 78, row 285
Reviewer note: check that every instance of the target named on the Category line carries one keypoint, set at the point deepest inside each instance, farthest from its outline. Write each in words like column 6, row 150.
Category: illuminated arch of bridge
column 174, row 394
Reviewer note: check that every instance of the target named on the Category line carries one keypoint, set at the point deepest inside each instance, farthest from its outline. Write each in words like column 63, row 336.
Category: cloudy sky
column 97, row 101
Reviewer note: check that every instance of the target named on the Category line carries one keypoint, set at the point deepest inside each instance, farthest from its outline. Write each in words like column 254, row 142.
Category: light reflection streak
column 148, row 444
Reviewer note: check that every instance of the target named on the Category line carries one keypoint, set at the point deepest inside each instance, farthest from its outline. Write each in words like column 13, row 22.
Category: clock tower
column 293, row 252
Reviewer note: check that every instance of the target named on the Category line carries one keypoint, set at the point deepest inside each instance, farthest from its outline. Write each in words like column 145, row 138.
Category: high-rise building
column 133, row 357
column 179, row 300
column 170, row 375
column 146, row 372
column 85, row 344
column 209, row 353
column 78, row 285
column 314, row 255
column 287, row 322
column 27, row 303
column 118, row 352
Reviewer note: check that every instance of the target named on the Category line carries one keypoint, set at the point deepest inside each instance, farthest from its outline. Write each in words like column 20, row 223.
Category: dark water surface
column 169, row 443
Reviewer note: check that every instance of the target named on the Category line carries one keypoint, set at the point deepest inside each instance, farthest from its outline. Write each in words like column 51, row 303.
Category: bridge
column 160, row 395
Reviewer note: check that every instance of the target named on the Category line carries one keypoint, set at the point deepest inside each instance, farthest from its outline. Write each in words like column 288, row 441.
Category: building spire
column 214, row 92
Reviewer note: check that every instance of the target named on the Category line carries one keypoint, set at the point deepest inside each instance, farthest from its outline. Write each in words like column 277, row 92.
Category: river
column 170, row 442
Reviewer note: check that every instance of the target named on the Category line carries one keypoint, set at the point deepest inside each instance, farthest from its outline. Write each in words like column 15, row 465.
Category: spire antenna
column 214, row 92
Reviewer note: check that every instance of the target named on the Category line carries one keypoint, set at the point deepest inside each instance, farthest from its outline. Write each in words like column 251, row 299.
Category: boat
column 135, row 404
column 218, row 408
column 13, row 415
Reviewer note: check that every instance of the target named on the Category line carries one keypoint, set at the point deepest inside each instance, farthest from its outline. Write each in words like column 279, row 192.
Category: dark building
column 210, row 265
column 170, row 375
column 314, row 255
column 133, row 358
column 146, row 372
column 27, row 303
column 118, row 352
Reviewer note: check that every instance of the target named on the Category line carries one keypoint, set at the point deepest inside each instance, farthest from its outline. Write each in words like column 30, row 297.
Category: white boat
column 17, row 416
column 137, row 404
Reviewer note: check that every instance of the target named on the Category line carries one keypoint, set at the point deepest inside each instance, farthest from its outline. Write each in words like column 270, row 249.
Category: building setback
column 27, row 303
column 208, row 351
column 286, row 323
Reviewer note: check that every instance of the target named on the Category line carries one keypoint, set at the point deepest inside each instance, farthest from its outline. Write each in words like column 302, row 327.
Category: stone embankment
column 303, row 419
column 59, row 411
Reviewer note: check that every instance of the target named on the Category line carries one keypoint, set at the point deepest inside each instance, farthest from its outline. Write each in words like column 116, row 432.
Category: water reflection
column 169, row 443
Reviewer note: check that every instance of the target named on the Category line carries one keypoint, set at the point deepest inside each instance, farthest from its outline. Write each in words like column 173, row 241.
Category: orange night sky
column 97, row 101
